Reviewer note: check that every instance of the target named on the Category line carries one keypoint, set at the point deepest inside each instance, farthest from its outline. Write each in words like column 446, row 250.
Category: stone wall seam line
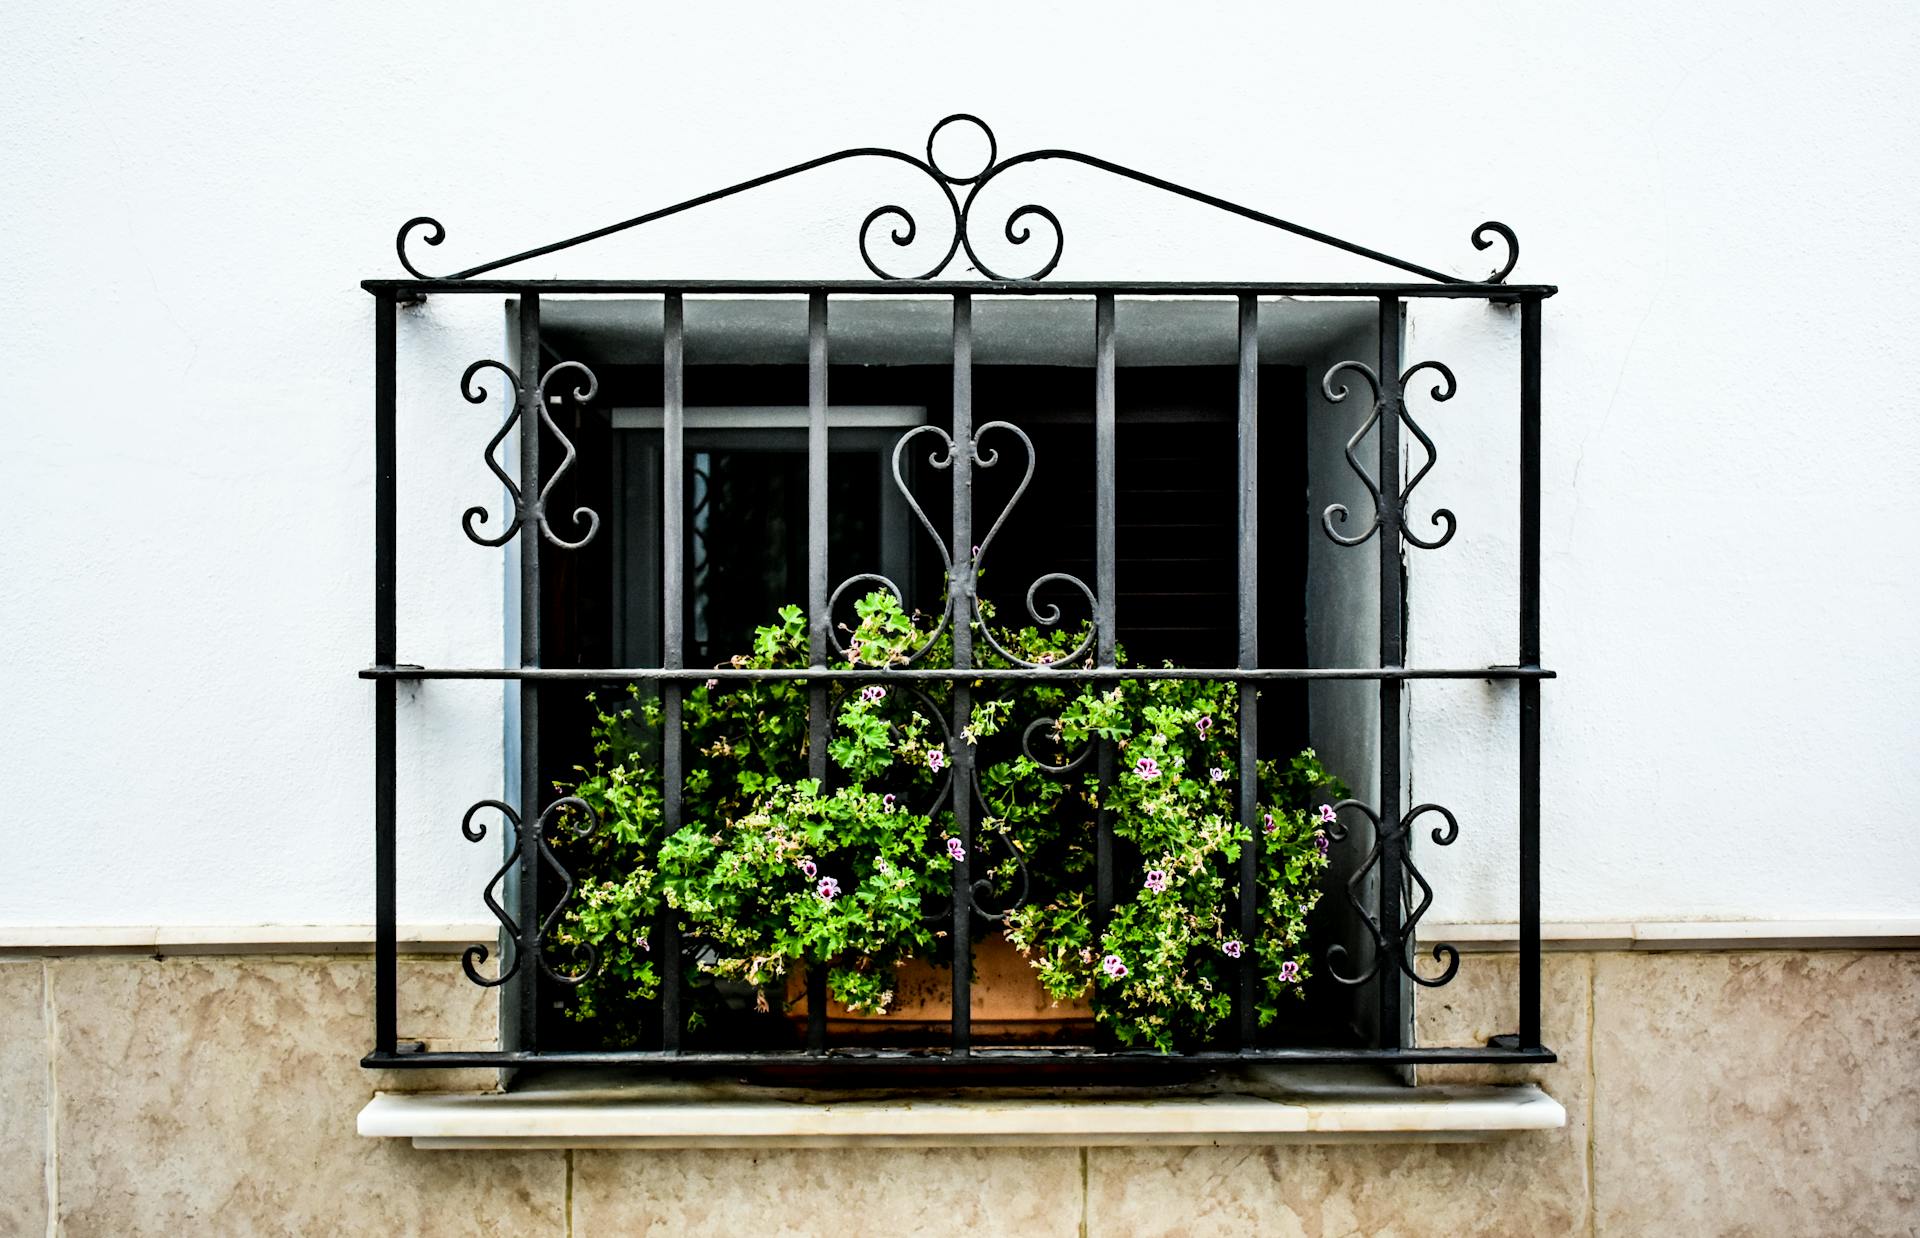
column 51, row 1156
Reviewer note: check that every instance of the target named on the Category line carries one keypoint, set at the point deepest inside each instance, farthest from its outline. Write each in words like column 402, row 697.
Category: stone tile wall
column 1769, row 1092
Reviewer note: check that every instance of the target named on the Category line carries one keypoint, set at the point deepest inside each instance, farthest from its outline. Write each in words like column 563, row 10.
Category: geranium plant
column 772, row 871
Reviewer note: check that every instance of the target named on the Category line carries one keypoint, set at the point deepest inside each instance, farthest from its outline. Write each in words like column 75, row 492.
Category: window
column 1087, row 492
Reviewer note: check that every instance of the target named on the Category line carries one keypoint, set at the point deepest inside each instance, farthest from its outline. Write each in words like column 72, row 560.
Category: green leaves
column 774, row 871
column 810, row 878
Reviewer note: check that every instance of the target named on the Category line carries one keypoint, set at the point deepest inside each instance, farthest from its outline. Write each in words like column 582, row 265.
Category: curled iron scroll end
column 1050, row 767
column 482, row 515
column 1483, row 239
column 1337, row 513
column 475, row 831
column 581, row 394
column 470, row 960
column 1337, row 954
column 1337, row 831
column 1448, row 956
column 902, row 236
column 435, row 234
column 1019, row 234
column 581, row 515
column 474, row 394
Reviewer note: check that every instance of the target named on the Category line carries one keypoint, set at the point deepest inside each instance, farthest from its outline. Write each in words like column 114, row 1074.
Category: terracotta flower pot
column 1009, row 1006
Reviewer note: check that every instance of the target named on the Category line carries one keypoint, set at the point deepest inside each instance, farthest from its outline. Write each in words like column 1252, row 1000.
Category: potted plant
column 774, row 873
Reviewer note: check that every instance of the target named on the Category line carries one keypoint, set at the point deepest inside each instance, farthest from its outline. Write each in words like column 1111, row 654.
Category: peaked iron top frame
column 961, row 193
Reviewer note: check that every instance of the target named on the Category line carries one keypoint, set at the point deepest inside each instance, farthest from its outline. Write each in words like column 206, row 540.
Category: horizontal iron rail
column 874, row 674
column 405, row 288
column 976, row 1058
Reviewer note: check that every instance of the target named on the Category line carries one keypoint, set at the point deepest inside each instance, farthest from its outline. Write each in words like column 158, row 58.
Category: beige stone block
column 1528, row 1184
column 215, row 1095
column 23, row 1099
column 1757, row 1093
column 842, row 1192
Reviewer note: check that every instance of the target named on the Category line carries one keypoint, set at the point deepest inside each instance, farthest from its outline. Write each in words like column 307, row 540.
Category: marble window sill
column 1331, row 1108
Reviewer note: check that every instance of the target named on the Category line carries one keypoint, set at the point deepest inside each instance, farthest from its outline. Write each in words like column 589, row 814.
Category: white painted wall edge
column 34, row 939
column 1881, row 934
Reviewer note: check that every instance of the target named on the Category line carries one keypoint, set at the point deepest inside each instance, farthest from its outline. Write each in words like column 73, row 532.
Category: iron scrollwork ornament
column 1397, row 944
column 1384, row 400
column 527, row 510
column 586, row 959
column 962, row 605
column 960, row 190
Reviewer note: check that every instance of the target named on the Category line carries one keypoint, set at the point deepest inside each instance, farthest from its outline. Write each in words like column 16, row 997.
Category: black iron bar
column 872, row 674
column 818, row 620
column 960, row 596
column 527, row 949
column 1246, row 1003
column 1068, row 1058
column 1106, row 582
column 673, row 398
column 1529, row 823
column 1499, row 293
column 386, row 976
column 1392, row 655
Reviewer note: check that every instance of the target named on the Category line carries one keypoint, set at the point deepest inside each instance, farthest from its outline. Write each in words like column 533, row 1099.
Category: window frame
column 1391, row 921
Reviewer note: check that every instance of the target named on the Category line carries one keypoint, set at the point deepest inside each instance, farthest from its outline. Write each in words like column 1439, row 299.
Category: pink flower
column 853, row 650
column 1086, row 954
column 1217, row 774
column 1204, row 725
column 1289, row 971
column 872, row 692
column 713, row 683
column 1320, row 841
column 1231, row 949
column 936, row 759
column 1271, row 827
column 1147, row 768
column 956, row 849
column 1327, row 814
column 809, row 869
column 1046, row 659
column 1113, row 966
column 828, row 889
column 1156, row 881
column 645, row 946
column 887, row 802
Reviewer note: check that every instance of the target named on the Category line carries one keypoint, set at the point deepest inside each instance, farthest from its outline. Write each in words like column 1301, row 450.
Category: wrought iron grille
column 1387, row 890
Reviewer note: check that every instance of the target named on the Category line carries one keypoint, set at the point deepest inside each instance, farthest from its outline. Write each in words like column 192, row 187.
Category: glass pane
column 747, row 538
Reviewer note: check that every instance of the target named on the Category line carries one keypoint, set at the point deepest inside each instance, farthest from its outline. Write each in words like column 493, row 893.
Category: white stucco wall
column 190, row 195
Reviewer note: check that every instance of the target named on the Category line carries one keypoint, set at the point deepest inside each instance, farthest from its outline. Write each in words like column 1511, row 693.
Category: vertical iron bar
column 529, row 836
column 960, row 590
column 1249, row 657
column 817, row 616
column 672, row 633
column 1530, row 688
column 1106, row 586
column 1392, row 656
column 386, row 978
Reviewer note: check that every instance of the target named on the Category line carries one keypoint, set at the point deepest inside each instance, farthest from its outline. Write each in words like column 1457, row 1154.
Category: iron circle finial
column 993, row 149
